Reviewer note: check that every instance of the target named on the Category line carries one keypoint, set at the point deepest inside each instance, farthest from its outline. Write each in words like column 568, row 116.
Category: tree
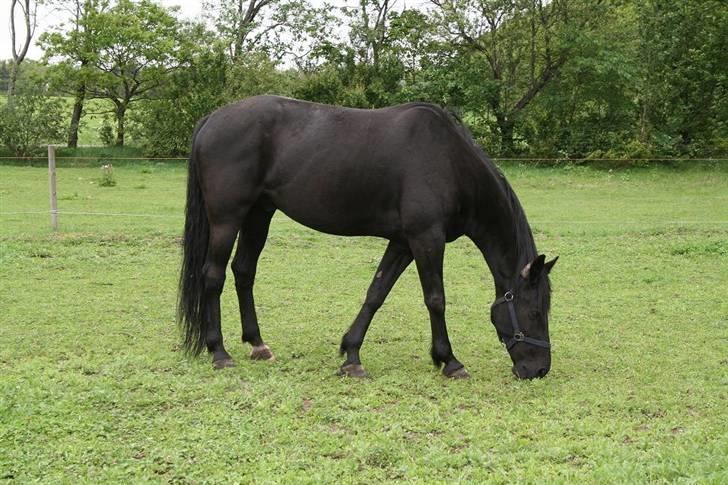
column 29, row 11
column 164, row 125
column 684, row 88
column 363, row 71
column 75, row 49
column 411, row 35
column 590, row 109
column 369, row 33
column 236, row 20
column 132, row 49
column 517, row 46
column 281, row 28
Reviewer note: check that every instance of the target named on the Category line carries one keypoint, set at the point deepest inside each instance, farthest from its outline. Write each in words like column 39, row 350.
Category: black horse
column 411, row 174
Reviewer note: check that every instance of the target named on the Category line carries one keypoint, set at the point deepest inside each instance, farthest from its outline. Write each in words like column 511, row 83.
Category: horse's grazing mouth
column 411, row 174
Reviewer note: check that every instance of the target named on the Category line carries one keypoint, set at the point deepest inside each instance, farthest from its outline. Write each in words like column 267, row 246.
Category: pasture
column 93, row 384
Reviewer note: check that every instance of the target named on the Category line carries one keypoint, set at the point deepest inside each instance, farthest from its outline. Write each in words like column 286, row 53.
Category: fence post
column 52, row 186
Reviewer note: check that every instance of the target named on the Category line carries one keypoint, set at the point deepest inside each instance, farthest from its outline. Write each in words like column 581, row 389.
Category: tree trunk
column 13, row 78
column 505, row 126
column 120, row 112
column 76, row 116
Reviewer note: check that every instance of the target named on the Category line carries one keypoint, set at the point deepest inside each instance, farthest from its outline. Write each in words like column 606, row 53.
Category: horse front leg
column 429, row 250
column 395, row 260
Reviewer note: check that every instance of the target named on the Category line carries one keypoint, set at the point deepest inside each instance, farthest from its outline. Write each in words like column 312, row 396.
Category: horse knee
column 435, row 303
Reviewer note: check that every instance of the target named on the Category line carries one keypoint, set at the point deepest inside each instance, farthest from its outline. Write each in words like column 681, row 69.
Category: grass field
column 93, row 385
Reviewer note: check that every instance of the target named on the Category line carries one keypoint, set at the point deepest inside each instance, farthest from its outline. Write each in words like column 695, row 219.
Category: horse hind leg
column 253, row 236
column 221, row 240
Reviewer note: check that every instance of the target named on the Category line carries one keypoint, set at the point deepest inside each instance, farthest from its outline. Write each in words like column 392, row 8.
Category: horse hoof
column 352, row 370
column 223, row 363
column 460, row 373
column 261, row 352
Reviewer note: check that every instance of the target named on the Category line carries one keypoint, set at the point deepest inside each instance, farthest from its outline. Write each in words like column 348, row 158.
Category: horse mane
column 526, row 246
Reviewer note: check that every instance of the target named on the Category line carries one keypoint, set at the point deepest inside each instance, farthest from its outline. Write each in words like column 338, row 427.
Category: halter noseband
column 518, row 335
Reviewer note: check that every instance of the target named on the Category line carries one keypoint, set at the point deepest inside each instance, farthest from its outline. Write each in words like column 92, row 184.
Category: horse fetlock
column 441, row 353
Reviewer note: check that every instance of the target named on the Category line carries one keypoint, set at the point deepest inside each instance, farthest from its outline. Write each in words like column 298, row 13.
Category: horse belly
column 343, row 205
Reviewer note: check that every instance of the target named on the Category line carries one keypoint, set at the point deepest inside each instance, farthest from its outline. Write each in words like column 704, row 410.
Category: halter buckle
column 519, row 337
column 508, row 296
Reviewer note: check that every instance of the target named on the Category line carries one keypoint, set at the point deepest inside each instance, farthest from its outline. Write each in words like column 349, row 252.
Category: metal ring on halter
column 518, row 335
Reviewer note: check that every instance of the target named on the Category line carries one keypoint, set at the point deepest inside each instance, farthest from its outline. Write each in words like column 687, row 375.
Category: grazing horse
column 411, row 174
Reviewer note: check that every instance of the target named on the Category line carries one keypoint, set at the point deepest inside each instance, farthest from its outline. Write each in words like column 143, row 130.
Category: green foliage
column 94, row 384
column 684, row 93
column 164, row 125
column 591, row 106
column 28, row 121
column 253, row 75
column 106, row 132
column 121, row 52
column 323, row 85
column 562, row 79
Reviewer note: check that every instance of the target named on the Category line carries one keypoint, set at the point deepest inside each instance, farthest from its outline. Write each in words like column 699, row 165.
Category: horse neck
column 499, row 228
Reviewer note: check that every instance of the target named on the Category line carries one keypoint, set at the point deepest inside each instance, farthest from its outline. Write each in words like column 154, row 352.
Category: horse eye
column 534, row 314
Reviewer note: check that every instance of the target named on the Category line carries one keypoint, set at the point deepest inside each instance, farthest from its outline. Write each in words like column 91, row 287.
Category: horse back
column 339, row 170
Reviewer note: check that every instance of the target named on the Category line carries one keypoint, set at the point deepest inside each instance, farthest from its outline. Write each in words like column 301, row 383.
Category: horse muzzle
column 527, row 372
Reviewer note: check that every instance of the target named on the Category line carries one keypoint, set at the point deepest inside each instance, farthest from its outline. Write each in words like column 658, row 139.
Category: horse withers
column 410, row 174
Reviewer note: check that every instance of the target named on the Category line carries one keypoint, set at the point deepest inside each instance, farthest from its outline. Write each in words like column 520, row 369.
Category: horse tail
column 190, row 302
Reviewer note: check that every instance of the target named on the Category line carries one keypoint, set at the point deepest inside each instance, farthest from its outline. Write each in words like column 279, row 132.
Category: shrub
column 29, row 121
column 106, row 133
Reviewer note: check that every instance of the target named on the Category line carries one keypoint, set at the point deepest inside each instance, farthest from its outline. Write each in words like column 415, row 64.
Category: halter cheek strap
column 518, row 335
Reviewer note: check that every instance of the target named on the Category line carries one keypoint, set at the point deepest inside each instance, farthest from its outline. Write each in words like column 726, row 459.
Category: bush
column 106, row 133
column 29, row 121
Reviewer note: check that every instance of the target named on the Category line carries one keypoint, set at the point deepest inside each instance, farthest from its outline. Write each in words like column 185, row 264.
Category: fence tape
column 500, row 159
column 180, row 216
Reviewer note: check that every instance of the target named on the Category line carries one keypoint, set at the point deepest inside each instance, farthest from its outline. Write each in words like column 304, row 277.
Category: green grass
column 93, row 384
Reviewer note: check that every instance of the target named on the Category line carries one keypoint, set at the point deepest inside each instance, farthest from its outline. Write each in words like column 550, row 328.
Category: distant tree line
column 532, row 78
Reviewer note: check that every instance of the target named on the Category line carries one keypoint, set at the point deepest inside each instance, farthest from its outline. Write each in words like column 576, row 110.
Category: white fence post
column 52, row 186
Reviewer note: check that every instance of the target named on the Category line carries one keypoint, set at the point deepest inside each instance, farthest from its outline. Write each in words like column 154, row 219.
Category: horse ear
column 533, row 269
column 525, row 271
column 550, row 264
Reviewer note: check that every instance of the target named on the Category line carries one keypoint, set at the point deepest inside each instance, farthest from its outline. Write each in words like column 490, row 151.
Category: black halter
column 518, row 335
